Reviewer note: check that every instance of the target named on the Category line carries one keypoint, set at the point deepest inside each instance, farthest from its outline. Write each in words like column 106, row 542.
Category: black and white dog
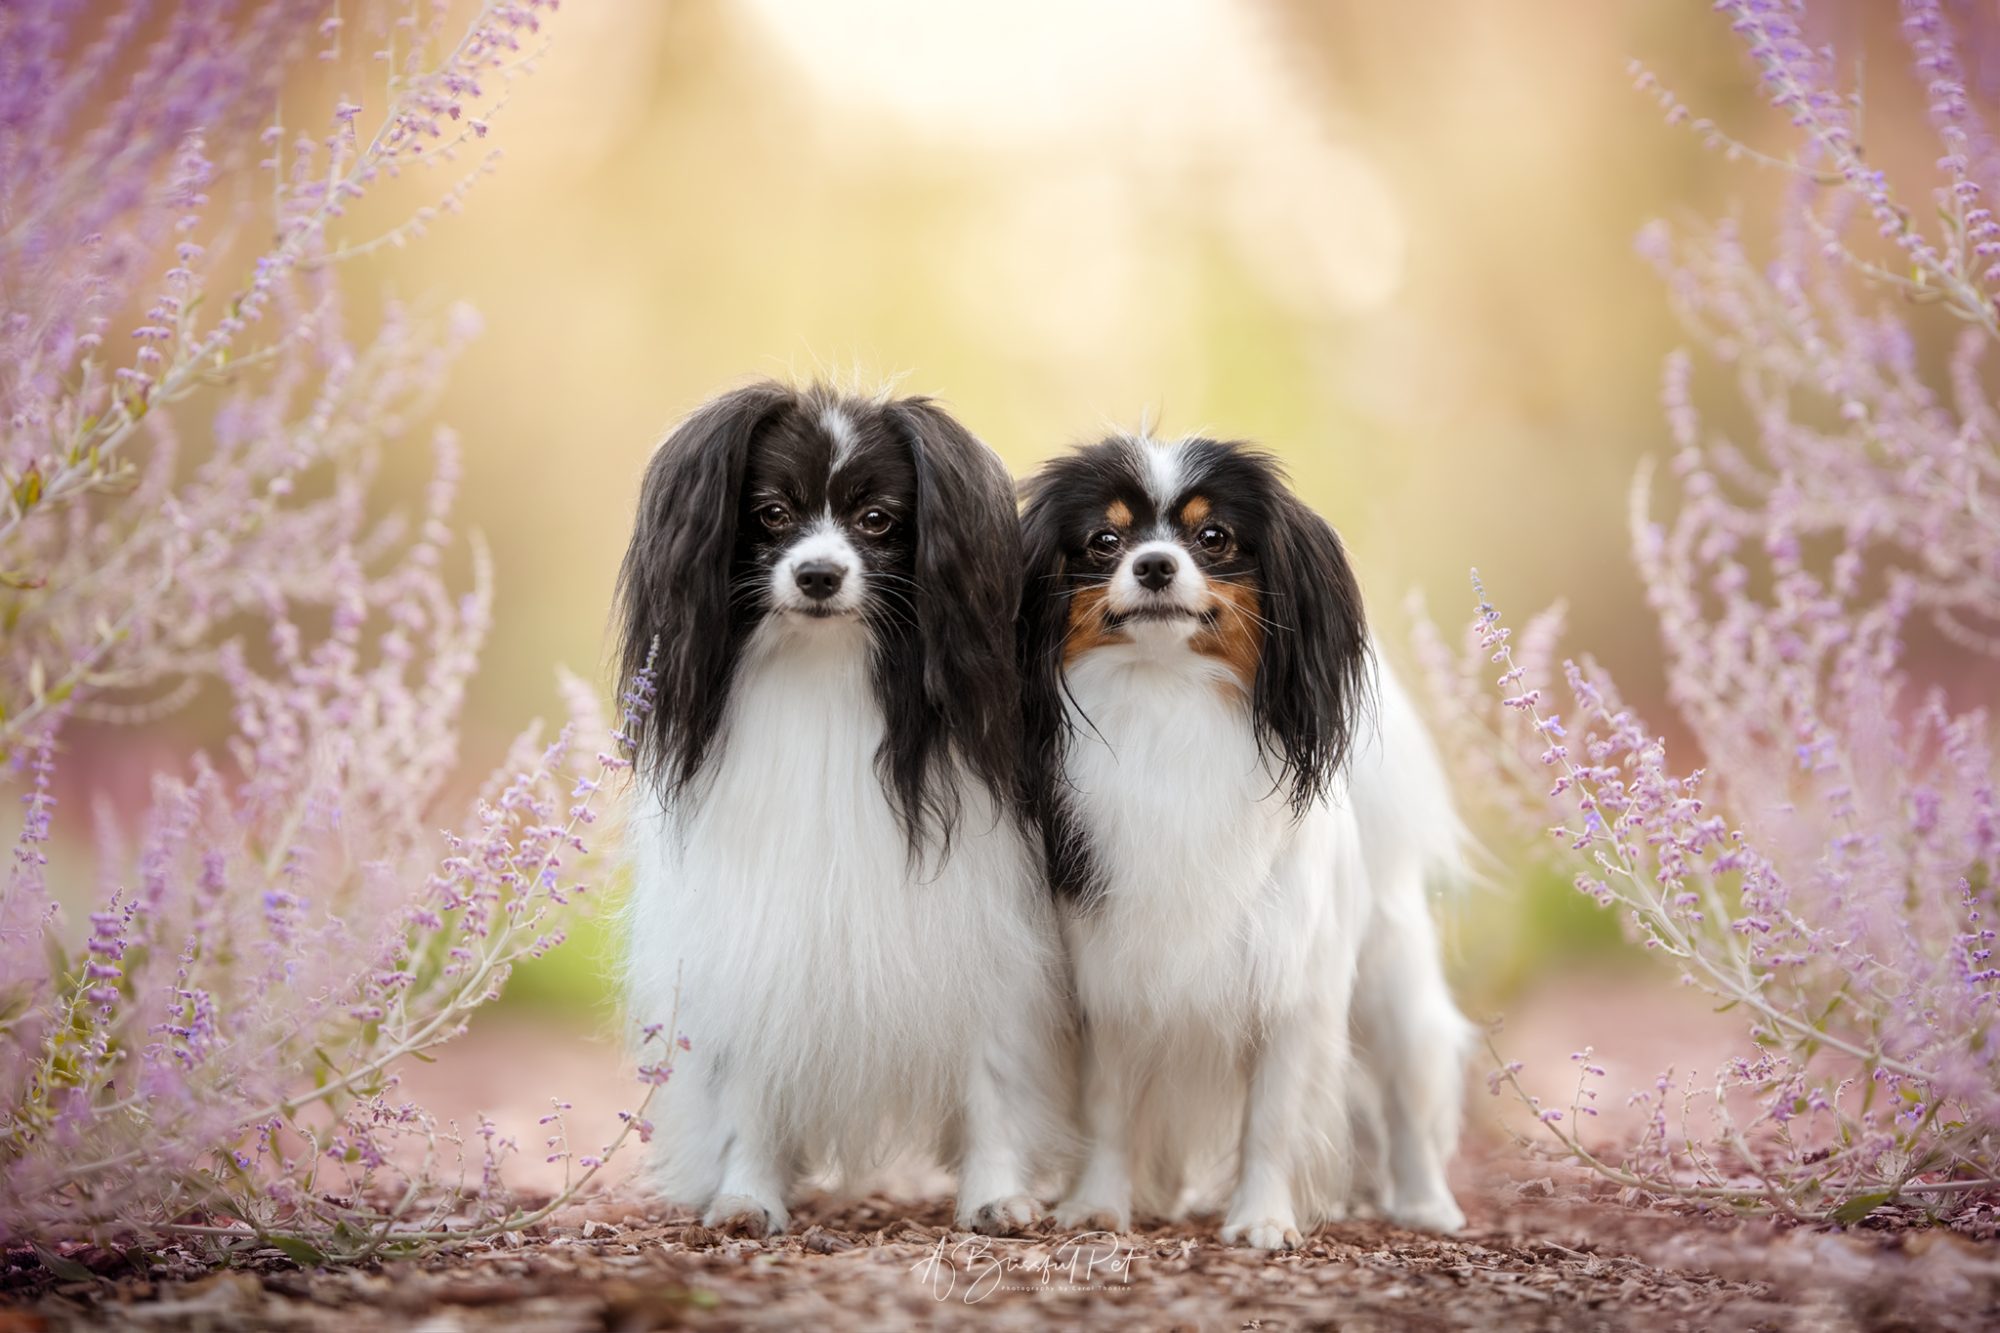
column 834, row 879
column 1240, row 810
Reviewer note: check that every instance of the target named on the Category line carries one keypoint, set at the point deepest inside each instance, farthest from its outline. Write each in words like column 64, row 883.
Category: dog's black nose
column 819, row 579
column 1154, row 570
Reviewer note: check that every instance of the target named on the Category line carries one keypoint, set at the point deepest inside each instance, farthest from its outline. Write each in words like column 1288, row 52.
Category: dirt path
column 1538, row 1255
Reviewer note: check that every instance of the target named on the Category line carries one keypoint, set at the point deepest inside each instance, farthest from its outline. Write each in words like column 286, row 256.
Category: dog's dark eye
column 775, row 517
column 1212, row 538
column 1106, row 542
column 874, row 523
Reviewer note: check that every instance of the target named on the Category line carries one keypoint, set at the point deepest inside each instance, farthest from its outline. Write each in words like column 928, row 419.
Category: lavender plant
column 203, row 1042
column 1830, row 870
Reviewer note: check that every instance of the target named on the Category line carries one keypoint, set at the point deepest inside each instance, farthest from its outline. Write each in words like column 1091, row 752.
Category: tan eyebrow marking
column 1195, row 510
column 1119, row 515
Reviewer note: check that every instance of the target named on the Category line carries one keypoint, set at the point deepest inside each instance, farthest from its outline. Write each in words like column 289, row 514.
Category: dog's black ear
column 1045, row 606
column 1312, row 678
column 674, row 587
column 1043, row 630
column 967, row 560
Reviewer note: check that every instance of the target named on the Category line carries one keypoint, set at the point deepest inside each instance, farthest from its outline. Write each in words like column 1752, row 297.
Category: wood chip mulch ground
column 1541, row 1253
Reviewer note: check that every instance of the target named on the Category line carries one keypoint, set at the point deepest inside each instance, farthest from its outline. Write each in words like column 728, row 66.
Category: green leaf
column 69, row 1270
column 1860, row 1206
column 28, row 490
column 301, row 1252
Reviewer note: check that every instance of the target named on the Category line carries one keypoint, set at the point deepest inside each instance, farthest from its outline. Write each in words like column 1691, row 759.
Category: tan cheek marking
column 1119, row 515
column 1087, row 610
column 1236, row 639
column 1194, row 511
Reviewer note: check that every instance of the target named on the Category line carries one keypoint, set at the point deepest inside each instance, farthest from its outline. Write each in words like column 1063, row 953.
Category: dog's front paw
column 741, row 1215
column 1266, row 1233
column 1001, row 1217
column 1074, row 1214
column 1438, row 1213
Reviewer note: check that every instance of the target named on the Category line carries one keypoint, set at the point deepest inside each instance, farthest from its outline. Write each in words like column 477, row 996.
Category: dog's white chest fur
column 1187, row 825
column 819, row 970
column 1237, row 950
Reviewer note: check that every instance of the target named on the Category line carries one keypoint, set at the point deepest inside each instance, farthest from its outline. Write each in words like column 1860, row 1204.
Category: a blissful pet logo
column 972, row 1268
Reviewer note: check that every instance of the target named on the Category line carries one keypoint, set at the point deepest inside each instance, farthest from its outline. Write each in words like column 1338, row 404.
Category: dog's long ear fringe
column 1043, row 628
column 1313, row 677
column 967, row 692
column 674, row 584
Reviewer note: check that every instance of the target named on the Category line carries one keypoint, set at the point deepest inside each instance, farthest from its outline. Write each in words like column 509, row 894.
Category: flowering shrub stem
column 1832, row 871
column 212, row 1053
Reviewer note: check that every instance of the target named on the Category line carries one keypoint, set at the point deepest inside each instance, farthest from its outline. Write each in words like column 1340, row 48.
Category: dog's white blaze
column 837, row 1002
column 1163, row 470
column 840, row 429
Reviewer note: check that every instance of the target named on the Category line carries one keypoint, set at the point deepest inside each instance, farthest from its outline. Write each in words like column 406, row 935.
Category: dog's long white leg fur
column 1263, row 1213
column 1102, row 1195
column 1416, row 1044
column 755, row 1167
column 1004, row 1117
column 1410, row 1033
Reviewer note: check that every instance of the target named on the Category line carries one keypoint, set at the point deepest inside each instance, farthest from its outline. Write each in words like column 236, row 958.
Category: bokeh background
column 1393, row 243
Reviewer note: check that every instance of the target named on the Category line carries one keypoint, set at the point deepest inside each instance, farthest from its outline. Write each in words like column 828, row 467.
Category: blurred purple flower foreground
column 204, row 1046
column 1831, row 872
